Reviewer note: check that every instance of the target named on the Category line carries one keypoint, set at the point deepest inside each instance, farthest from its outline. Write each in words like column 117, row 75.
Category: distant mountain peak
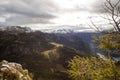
column 63, row 31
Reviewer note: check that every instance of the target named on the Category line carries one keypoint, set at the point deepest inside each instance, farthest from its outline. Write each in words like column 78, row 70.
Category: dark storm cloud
column 17, row 12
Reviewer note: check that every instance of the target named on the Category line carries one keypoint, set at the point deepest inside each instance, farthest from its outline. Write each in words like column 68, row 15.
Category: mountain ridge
column 42, row 57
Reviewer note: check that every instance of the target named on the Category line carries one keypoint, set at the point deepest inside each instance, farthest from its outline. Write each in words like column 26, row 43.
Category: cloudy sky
column 43, row 13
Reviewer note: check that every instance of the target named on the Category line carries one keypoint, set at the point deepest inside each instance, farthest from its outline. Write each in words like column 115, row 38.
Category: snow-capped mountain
column 66, row 29
column 63, row 31
column 54, row 29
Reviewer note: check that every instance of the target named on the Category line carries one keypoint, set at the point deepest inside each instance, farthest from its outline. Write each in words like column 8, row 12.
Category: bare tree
column 112, row 8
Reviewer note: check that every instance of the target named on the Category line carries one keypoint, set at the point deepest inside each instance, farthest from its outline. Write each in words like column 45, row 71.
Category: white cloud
column 50, row 12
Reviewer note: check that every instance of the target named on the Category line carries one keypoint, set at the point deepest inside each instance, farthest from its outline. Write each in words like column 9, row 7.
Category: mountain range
column 44, row 57
column 44, row 53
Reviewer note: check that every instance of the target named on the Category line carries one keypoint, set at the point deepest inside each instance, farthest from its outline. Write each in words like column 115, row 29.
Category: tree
column 92, row 68
column 112, row 8
column 109, row 42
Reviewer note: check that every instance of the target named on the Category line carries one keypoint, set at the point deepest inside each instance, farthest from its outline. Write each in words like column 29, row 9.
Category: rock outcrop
column 13, row 71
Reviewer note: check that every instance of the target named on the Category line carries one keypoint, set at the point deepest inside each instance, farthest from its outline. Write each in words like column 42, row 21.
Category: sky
column 39, row 14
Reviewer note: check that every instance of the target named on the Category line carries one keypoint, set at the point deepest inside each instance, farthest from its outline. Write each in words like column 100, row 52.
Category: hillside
column 33, row 50
column 72, row 41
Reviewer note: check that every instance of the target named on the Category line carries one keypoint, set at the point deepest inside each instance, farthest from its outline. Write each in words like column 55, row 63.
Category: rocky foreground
column 13, row 71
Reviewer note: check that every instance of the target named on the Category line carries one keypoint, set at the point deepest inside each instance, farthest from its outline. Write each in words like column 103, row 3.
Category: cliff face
column 13, row 71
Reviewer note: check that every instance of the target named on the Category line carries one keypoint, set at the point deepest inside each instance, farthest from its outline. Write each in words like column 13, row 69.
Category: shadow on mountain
column 46, row 59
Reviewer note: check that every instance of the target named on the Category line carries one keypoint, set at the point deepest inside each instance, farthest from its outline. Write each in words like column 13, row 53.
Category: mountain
column 72, row 41
column 63, row 31
column 46, row 59
column 74, row 38
column 66, row 29
column 88, row 38
column 78, row 33
column 16, row 29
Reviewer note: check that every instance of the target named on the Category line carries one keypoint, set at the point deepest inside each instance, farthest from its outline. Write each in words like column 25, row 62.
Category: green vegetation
column 48, row 60
column 109, row 42
column 92, row 68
